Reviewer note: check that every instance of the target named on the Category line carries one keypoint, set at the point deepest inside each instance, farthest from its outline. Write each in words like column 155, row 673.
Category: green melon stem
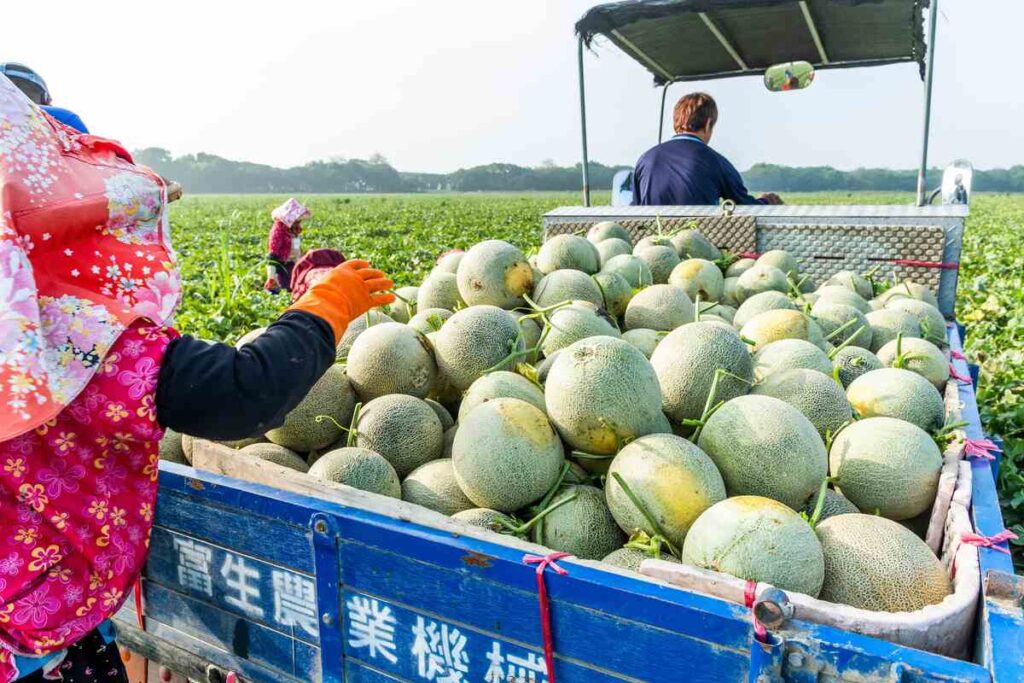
column 696, row 308
column 350, row 430
column 600, row 287
column 657, row 222
column 819, row 506
column 709, row 405
column 645, row 512
column 582, row 455
column 842, row 328
column 833, row 352
column 748, row 341
column 898, row 360
column 830, row 436
column 401, row 298
column 546, row 500
column 649, row 545
column 525, row 528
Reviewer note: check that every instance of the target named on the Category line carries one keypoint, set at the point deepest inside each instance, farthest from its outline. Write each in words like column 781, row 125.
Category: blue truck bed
column 278, row 586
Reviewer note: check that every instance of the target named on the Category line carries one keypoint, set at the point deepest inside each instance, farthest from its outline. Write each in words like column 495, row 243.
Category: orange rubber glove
column 345, row 293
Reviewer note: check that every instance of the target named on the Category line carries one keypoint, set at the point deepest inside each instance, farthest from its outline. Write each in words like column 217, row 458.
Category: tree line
column 208, row 173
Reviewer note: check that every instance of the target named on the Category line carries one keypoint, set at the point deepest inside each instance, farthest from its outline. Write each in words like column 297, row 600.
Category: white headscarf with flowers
column 84, row 253
column 290, row 212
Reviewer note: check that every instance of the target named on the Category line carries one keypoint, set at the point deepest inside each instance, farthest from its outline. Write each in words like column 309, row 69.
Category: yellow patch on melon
column 527, row 420
column 519, row 278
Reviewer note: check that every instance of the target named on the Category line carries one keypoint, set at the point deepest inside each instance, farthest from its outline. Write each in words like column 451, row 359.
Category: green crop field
column 221, row 241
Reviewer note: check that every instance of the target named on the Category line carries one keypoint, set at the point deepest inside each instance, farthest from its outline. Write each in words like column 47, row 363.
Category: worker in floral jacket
column 91, row 375
column 283, row 244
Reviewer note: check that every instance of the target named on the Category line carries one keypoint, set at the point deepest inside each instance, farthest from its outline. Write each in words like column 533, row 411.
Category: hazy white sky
column 434, row 86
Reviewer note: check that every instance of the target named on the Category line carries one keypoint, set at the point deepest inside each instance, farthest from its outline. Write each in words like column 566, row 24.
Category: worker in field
column 283, row 244
column 685, row 170
column 34, row 87
column 90, row 376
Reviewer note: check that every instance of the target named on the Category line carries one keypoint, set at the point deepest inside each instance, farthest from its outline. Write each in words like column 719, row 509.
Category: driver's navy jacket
column 685, row 171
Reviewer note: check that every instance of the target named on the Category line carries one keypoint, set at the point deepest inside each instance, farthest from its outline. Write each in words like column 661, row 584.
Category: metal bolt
column 320, row 526
column 327, row 618
column 796, row 659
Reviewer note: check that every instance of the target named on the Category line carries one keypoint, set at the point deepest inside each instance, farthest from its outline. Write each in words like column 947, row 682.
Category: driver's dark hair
column 692, row 112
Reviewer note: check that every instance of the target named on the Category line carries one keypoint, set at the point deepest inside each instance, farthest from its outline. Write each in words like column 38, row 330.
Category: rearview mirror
column 956, row 182
column 788, row 76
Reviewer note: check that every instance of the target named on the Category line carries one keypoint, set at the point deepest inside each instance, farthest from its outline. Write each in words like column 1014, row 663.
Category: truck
column 262, row 574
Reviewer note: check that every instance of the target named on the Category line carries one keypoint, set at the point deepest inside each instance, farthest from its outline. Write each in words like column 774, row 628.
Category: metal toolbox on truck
column 321, row 582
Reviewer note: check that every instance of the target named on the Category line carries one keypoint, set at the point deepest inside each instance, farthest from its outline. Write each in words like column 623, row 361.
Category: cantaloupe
column 835, row 504
column 886, row 466
column 500, row 384
column 187, row 444
column 433, row 486
column 601, row 392
column 606, row 230
column 404, row 307
column 929, row 319
column 632, row 558
column 610, row 248
column 442, row 413
column 474, row 340
column 723, row 311
column 875, row 564
column 757, row 539
column 439, row 290
column 568, row 252
column 854, row 361
column 582, row 526
column 359, row 468
column 782, row 260
column 729, row 291
column 651, row 241
column 740, row 266
column 819, row 397
column 691, row 243
column 279, row 455
column 485, row 518
column 391, row 359
column 841, row 323
column 698, row 277
column 765, row 447
column 788, row 354
column 616, row 292
column 331, row 396
column 644, row 339
column 170, row 447
column 917, row 355
column 762, row 303
column 838, row 294
column 444, row 392
column 403, row 429
column 495, row 273
column 892, row 392
column 659, row 307
column 567, row 285
column 910, row 290
column 854, row 282
column 429, row 320
column 661, row 260
column 770, row 326
column 579, row 320
column 686, row 362
column 449, row 263
column 357, row 327
column 673, row 479
column 635, row 271
column 506, row 455
column 249, row 336
column 887, row 324
column 449, row 440
column 759, row 278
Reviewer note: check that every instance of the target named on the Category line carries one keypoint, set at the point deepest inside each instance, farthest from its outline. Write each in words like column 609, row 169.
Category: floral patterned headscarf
column 290, row 213
column 84, row 253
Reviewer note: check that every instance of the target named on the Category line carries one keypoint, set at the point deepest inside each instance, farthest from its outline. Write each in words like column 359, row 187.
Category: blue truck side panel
column 283, row 587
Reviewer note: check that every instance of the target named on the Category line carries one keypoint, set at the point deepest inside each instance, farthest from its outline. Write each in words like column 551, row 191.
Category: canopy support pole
column 583, row 127
column 929, row 72
column 723, row 40
column 813, row 28
column 661, row 112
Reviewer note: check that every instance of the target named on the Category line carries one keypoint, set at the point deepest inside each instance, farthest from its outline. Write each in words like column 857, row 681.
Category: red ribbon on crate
column 137, row 588
column 981, row 449
column 957, row 355
column 924, row 264
column 955, row 374
column 990, row 541
column 545, row 605
column 749, row 597
column 232, row 677
column 748, row 254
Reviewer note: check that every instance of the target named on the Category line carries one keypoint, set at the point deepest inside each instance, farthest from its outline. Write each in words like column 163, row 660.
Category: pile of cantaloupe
column 661, row 399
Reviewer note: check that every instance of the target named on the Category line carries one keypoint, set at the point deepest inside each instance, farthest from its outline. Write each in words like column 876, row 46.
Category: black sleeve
column 215, row 391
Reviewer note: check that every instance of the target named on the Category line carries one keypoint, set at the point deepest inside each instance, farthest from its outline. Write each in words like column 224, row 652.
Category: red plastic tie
column 232, row 677
column 955, row 374
column 138, row 602
column 925, row 264
column 980, row 448
column 956, row 354
column 749, row 254
column 749, row 596
column 990, row 541
column 545, row 605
